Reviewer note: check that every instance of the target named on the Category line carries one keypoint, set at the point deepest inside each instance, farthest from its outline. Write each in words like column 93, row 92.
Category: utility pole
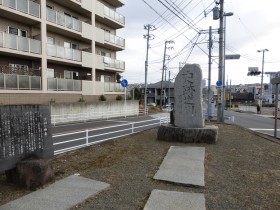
column 169, row 89
column 261, row 97
column 163, row 68
column 230, row 95
column 209, row 69
column 148, row 37
column 220, row 111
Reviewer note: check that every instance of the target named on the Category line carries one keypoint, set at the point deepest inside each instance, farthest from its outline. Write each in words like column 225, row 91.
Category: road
column 77, row 135
column 256, row 122
column 97, row 131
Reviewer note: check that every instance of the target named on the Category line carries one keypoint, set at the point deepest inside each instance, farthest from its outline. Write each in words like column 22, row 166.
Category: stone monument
column 188, row 113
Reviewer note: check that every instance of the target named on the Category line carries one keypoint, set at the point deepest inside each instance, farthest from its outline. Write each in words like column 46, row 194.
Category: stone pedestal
column 208, row 134
column 31, row 173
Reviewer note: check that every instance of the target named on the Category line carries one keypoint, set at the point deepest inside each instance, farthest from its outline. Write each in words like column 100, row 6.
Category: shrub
column 81, row 99
column 52, row 100
column 102, row 98
column 119, row 98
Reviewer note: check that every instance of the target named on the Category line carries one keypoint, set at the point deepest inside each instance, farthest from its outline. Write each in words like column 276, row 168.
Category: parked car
column 151, row 104
column 168, row 107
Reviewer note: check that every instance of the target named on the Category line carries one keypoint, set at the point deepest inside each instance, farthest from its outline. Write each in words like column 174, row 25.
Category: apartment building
column 59, row 50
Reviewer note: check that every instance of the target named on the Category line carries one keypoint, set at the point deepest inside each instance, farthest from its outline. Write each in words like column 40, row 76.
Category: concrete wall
column 82, row 111
column 265, row 110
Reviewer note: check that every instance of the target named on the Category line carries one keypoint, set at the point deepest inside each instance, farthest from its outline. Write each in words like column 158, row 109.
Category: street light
column 261, row 97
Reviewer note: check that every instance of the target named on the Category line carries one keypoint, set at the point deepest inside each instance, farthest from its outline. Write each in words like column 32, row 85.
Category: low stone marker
column 188, row 114
column 31, row 174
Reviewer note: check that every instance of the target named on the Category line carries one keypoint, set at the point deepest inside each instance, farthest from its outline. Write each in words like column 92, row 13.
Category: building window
column 17, row 32
column 15, row 68
column 107, row 78
column 50, row 73
column 13, row 31
column 67, row 44
column 70, row 74
column 74, row 46
column 70, row 45
column 106, row 54
column 50, row 40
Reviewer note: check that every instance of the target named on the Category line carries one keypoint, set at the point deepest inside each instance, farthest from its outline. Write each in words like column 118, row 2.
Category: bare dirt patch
column 242, row 171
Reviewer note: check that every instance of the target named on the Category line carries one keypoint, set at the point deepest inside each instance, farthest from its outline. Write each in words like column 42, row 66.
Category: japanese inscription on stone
column 24, row 131
column 188, row 97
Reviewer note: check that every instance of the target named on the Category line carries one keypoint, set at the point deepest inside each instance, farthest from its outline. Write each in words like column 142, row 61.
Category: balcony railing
column 64, row 53
column 113, row 87
column 57, row 84
column 63, row 20
column 26, row 6
column 19, row 82
column 19, row 43
column 108, row 62
column 114, row 39
column 114, row 15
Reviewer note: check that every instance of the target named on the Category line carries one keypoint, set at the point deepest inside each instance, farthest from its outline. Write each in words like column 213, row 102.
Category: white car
column 151, row 104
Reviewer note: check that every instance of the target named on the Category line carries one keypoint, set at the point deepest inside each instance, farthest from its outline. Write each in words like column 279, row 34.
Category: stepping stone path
column 181, row 165
column 61, row 195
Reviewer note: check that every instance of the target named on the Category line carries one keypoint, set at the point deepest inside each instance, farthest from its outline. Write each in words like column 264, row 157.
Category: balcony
column 80, row 6
column 108, row 40
column 106, row 63
column 57, row 84
column 19, row 43
column 19, row 82
column 25, row 6
column 64, row 53
column 114, row 15
column 117, row 42
column 105, row 87
column 115, row 3
column 64, row 20
column 113, row 87
column 108, row 16
column 115, row 64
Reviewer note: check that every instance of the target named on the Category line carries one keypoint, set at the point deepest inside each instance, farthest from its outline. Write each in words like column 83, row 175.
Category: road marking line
column 263, row 129
column 117, row 121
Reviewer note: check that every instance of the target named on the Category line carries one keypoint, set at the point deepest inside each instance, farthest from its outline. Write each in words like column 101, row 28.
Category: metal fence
column 75, row 140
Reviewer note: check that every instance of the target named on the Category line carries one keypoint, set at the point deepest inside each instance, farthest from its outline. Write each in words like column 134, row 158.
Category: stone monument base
column 31, row 173
column 208, row 134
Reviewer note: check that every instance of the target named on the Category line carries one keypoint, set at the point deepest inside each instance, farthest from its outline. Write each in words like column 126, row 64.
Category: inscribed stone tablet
column 188, row 97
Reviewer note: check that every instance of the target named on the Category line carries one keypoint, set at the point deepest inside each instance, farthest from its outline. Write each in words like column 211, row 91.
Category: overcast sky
column 255, row 25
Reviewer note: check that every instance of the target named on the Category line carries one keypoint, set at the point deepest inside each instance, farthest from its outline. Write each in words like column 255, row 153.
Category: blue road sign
column 219, row 83
column 124, row 83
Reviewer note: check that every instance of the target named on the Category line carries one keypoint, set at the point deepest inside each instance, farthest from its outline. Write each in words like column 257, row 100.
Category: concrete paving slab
column 61, row 195
column 183, row 165
column 171, row 200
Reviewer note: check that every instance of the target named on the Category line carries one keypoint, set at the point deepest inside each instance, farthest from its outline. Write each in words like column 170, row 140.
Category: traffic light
column 253, row 73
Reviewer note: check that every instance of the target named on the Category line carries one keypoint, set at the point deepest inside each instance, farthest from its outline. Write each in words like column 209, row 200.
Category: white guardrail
column 86, row 116
column 75, row 140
